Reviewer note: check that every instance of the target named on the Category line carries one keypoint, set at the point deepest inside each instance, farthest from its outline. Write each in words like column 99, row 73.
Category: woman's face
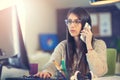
column 74, row 25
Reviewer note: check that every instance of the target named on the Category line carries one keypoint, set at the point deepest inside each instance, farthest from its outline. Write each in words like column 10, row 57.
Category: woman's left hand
column 88, row 37
column 88, row 34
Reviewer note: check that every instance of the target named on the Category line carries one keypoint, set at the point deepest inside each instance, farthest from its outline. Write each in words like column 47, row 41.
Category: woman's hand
column 88, row 36
column 43, row 74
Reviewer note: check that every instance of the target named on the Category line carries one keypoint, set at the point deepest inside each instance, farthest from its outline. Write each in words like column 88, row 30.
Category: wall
column 40, row 18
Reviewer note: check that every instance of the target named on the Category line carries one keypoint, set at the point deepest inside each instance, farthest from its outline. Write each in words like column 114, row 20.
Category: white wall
column 40, row 18
column 5, row 4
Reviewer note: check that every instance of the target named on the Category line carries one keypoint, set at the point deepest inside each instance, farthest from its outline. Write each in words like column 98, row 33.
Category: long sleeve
column 97, row 58
column 57, row 56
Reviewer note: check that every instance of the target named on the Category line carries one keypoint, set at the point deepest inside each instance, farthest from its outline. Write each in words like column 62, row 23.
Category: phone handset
column 83, row 37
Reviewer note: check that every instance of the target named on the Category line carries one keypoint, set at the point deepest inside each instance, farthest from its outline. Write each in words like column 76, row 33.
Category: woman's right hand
column 43, row 74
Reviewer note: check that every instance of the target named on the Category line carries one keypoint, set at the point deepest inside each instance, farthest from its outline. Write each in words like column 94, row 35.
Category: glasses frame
column 76, row 22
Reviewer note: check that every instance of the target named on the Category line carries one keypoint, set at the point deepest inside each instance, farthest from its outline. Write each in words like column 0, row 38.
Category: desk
column 108, row 78
column 12, row 72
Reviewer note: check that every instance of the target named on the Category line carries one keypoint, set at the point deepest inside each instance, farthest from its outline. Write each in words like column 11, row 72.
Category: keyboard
column 29, row 78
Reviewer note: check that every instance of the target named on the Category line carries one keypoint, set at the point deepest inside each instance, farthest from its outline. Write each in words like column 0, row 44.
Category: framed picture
column 105, row 24
column 101, row 24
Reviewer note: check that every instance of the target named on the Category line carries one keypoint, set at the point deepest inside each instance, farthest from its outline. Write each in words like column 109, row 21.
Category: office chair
column 111, row 61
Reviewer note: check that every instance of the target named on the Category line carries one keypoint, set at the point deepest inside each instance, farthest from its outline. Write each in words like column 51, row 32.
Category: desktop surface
column 28, row 79
column 115, row 77
column 102, row 78
column 31, row 78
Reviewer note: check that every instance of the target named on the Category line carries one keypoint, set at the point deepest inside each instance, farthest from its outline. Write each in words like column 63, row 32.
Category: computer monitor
column 9, row 41
column 48, row 42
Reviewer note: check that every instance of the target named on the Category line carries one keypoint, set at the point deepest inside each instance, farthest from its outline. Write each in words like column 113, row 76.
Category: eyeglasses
column 68, row 22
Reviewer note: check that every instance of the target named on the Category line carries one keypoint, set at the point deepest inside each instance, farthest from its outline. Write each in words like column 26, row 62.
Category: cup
column 33, row 68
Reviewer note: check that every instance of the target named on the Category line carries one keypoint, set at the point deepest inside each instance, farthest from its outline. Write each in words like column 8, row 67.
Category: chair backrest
column 111, row 60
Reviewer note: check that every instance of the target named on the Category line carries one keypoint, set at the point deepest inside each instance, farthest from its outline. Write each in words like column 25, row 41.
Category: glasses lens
column 69, row 21
column 77, row 21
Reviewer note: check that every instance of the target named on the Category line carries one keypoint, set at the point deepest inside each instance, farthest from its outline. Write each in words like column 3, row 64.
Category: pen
column 64, row 68
column 63, row 64
column 58, row 67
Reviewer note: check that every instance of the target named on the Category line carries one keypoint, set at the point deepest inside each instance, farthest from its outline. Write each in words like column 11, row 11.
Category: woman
column 80, row 55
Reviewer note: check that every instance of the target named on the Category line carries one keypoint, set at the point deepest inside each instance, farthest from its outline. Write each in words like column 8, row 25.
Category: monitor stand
column 3, row 62
column 1, row 54
column 0, row 70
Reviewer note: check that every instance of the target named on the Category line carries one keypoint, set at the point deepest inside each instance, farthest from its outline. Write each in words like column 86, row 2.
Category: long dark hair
column 84, row 16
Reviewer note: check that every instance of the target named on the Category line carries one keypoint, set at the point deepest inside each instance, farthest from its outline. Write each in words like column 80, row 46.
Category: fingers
column 37, row 74
column 86, row 31
column 43, row 75
column 46, row 75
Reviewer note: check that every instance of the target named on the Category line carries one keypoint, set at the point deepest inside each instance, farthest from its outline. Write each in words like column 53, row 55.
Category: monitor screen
column 12, row 49
column 48, row 42
column 6, row 35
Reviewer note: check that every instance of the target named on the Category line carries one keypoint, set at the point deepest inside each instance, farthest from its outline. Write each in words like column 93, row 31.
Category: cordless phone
column 82, row 37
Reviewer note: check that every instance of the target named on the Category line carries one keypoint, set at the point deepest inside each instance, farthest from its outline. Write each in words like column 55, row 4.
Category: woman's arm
column 57, row 56
column 97, row 58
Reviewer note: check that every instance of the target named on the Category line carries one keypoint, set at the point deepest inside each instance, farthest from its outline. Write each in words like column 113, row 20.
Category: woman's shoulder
column 99, row 42
column 61, row 46
column 63, row 43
